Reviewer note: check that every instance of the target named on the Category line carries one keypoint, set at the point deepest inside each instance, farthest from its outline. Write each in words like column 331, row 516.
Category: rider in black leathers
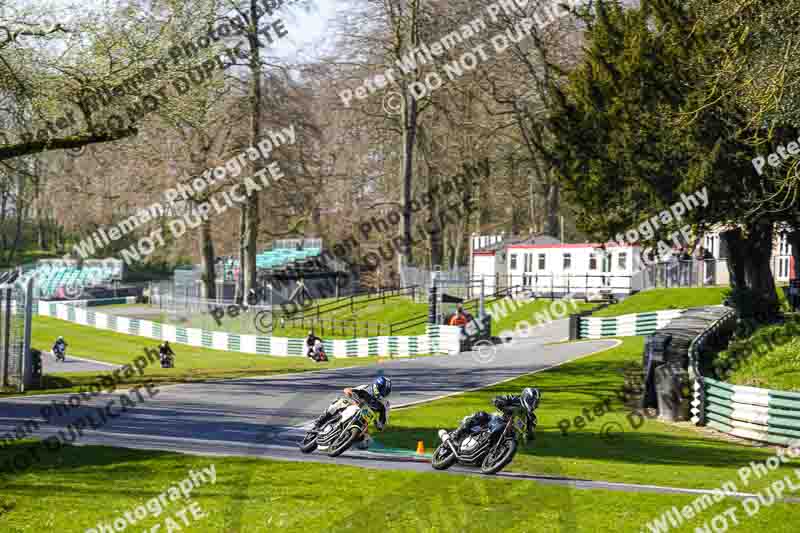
column 310, row 341
column 166, row 355
column 528, row 400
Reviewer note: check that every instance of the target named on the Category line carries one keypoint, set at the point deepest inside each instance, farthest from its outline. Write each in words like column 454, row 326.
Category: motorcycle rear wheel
column 343, row 443
column 308, row 445
column 443, row 457
column 492, row 464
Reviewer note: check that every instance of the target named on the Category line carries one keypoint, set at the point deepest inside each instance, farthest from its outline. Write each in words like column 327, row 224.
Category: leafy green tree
column 637, row 124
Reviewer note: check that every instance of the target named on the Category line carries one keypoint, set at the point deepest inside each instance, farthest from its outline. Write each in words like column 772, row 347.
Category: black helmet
column 530, row 398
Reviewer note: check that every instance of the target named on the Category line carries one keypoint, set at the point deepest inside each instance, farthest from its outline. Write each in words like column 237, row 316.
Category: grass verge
column 534, row 312
column 191, row 363
column 769, row 358
column 662, row 299
column 613, row 446
column 83, row 486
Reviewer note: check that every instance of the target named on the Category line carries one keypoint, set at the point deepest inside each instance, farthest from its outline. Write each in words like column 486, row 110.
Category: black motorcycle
column 60, row 353
column 167, row 360
column 320, row 357
column 491, row 447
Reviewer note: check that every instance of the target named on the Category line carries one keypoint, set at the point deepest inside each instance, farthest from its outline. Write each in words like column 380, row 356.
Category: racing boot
column 364, row 442
column 319, row 422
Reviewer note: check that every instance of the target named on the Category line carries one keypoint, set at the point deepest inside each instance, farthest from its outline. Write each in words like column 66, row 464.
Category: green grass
column 661, row 299
column 81, row 486
column 395, row 309
column 769, row 358
column 191, row 363
column 534, row 312
column 655, row 452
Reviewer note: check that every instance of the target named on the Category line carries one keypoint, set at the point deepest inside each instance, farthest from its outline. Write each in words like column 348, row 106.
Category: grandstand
column 280, row 270
column 53, row 275
column 286, row 256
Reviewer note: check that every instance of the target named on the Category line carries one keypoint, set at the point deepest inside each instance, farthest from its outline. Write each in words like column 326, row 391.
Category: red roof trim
column 484, row 253
column 557, row 246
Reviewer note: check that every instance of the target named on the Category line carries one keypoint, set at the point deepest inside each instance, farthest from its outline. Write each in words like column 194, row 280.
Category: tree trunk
column 407, row 178
column 553, row 208
column 435, row 227
column 208, row 261
column 239, row 295
column 251, row 208
column 733, row 241
column 20, row 208
column 3, row 206
column 758, row 259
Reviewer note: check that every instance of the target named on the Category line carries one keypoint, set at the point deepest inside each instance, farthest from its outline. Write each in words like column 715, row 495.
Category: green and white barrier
column 748, row 412
column 98, row 302
column 631, row 325
column 438, row 339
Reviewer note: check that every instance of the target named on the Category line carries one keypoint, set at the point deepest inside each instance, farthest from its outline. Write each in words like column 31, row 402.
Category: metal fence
column 15, row 331
column 665, row 274
column 458, row 281
column 690, row 273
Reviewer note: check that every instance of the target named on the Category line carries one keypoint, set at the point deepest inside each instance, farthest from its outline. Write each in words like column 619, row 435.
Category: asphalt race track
column 73, row 364
column 263, row 417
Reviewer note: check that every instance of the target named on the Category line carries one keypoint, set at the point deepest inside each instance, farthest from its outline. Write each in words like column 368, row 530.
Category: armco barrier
column 751, row 413
column 98, row 302
column 591, row 327
column 747, row 412
column 438, row 339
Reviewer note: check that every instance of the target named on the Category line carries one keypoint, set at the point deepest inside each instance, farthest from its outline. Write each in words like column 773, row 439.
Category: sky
column 307, row 31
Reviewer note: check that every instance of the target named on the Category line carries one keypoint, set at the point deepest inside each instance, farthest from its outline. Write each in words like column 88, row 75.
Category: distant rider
column 373, row 395
column 319, row 349
column 166, row 355
column 60, row 347
column 528, row 400
column 311, row 341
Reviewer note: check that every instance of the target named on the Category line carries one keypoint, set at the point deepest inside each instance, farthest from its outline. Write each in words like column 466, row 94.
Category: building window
column 592, row 261
column 622, row 261
column 513, row 261
column 528, row 262
column 567, row 261
column 541, row 262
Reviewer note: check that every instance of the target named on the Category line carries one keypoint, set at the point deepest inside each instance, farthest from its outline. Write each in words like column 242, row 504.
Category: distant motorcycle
column 317, row 353
column 60, row 352
column 339, row 433
column 167, row 361
column 491, row 447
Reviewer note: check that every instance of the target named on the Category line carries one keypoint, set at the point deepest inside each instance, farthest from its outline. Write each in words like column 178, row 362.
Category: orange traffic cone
column 420, row 448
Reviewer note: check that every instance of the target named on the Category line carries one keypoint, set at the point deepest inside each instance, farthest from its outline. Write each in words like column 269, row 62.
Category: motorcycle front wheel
column 309, row 443
column 443, row 457
column 495, row 462
column 344, row 442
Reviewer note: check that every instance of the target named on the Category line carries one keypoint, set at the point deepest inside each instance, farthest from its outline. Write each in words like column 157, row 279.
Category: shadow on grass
column 634, row 447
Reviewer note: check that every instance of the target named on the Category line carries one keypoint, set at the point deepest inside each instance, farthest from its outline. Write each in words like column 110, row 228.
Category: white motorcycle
column 339, row 433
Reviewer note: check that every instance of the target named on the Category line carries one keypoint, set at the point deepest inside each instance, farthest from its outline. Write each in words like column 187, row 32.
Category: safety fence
column 747, row 412
column 438, row 339
column 752, row 413
column 97, row 302
column 625, row 325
